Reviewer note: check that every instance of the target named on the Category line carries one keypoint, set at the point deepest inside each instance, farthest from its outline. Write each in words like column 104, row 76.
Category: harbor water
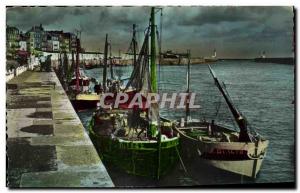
column 263, row 92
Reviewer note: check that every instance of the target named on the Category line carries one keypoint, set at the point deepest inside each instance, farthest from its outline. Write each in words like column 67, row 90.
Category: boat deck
column 218, row 134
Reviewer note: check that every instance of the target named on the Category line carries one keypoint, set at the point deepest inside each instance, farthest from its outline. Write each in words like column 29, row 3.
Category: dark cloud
column 217, row 15
column 211, row 15
column 233, row 31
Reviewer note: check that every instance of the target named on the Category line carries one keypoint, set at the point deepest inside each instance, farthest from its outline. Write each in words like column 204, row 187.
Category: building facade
column 54, row 38
column 69, row 42
column 12, row 41
column 23, row 42
column 37, row 40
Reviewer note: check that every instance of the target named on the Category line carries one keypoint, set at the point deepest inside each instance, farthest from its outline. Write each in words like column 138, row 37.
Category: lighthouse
column 215, row 54
column 263, row 54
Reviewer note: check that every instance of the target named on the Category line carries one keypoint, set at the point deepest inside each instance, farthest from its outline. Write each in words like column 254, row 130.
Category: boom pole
column 239, row 118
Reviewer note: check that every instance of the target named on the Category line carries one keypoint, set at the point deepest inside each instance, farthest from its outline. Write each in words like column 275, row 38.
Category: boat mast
column 155, row 131
column 77, row 64
column 105, row 64
column 134, row 44
column 153, row 124
column 188, row 74
column 111, row 63
column 153, row 53
column 239, row 118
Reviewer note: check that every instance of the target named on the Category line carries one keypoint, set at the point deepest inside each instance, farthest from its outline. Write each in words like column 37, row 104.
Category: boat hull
column 85, row 101
column 234, row 157
column 84, row 104
column 241, row 167
column 137, row 157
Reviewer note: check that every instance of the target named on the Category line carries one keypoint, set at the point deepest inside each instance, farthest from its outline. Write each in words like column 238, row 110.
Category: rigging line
column 218, row 105
column 133, row 41
column 226, row 118
column 181, row 161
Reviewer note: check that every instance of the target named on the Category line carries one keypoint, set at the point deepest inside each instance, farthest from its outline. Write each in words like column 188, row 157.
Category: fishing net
column 140, row 81
column 140, row 77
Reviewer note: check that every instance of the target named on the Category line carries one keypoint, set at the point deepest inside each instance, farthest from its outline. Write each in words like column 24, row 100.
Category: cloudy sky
column 235, row 32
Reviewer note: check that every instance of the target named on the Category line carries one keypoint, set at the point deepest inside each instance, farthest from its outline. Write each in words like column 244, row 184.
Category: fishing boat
column 241, row 152
column 79, row 91
column 137, row 140
column 82, row 97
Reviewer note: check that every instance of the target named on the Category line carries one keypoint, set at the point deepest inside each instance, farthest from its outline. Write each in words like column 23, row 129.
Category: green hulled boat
column 137, row 140
column 136, row 155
